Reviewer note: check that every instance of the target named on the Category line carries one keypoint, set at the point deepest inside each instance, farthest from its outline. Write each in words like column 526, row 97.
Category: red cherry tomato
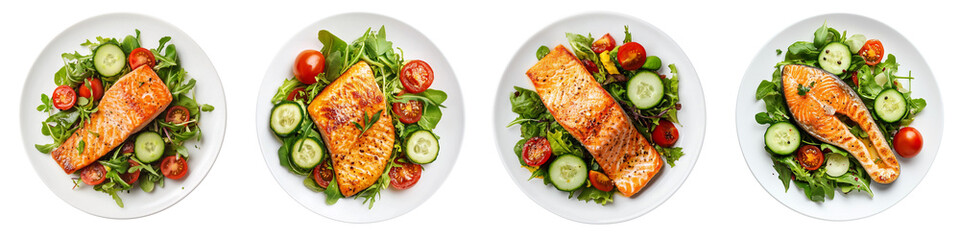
column 856, row 80
column 536, row 151
column 591, row 66
column 408, row 112
column 141, row 56
column 308, row 65
column 631, row 56
column 297, row 94
column 174, row 167
column 130, row 177
column 908, row 142
column 665, row 134
column 405, row 175
column 810, row 157
column 177, row 115
column 322, row 174
column 93, row 174
column 64, row 97
column 872, row 52
column 605, row 43
column 416, row 76
column 600, row 181
column 97, row 87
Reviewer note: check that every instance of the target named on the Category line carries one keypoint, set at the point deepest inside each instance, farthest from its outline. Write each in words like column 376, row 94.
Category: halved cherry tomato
column 127, row 147
column 605, row 43
column 177, row 115
column 408, row 112
column 416, row 76
column 308, row 65
column 631, row 56
column 810, row 157
column 600, row 181
column 141, row 56
column 130, row 177
column 872, row 52
column 322, row 174
column 856, row 80
column 64, row 97
column 908, row 142
column 297, row 94
column 665, row 134
column 174, row 167
column 536, row 151
column 405, row 175
column 97, row 87
column 591, row 66
column 93, row 174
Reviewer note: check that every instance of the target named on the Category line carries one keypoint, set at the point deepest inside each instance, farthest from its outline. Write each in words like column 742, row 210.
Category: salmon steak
column 358, row 159
column 126, row 108
column 816, row 112
column 580, row 104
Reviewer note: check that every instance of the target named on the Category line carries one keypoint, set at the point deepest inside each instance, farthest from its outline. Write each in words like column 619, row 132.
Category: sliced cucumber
column 835, row 58
column 306, row 153
column 109, row 60
column 568, row 172
column 148, row 147
column 645, row 89
column 890, row 105
column 285, row 118
column 422, row 147
column 837, row 164
column 782, row 138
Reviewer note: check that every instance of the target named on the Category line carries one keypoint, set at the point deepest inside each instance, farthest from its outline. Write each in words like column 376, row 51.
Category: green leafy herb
column 802, row 90
column 542, row 52
column 368, row 122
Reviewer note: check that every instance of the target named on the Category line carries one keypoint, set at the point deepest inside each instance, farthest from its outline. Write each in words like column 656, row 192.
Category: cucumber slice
column 422, row 147
column 645, row 89
column 568, row 172
column 306, row 153
column 109, row 60
column 890, row 105
column 285, row 118
column 782, row 138
column 837, row 164
column 148, row 147
column 835, row 58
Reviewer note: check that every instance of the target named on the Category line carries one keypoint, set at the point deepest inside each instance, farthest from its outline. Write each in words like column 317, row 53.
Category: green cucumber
column 782, row 138
column 306, row 153
column 835, row 58
column 568, row 172
column 422, row 147
column 285, row 118
column 149, row 147
column 890, row 105
column 109, row 60
column 645, row 90
column 836, row 164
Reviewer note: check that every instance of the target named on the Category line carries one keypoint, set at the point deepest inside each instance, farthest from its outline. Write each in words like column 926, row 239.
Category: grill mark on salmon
column 581, row 105
column 357, row 161
column 815, row 113
column 126, row 108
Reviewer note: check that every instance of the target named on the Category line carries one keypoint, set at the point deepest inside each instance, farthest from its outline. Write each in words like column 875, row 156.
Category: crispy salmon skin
column 128, row 106
column 581, row 105
column 358, row 160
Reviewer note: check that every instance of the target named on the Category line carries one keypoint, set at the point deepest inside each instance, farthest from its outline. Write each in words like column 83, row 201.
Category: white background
column 239, row 198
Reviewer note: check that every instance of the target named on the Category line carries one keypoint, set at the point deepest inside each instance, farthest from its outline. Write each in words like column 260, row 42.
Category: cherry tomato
column 174, row 167
column 127, row 147
column 408, row 112
column 810, row 157
column 93, row 174
column 416, row 76
column 297, row 94
column 308, row 65
column 322, row 174
column 665, row 134
column 129, row 177
column 872, row 52
column 600, row 181
column 908, row 142
column 856, row 80
column 177, row 115
column 605, row 43
column 405, row 175
column 591, row 66
column 141, row 56
column 64, row 97
column 536, row 151
column 97, row 87
column 631, row 56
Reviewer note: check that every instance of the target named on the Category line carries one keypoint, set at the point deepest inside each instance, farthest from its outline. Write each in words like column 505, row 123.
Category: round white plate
column 855, row 204
column 209, row 90
column 415, row 45
column 692, row 118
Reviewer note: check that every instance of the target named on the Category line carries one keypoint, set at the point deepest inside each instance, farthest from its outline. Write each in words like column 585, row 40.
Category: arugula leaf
column 592, row 194
column 670, row 154
column 526, row 103
column 581, row 46
column 627, row 37
column 822, row 36
column 802, row 51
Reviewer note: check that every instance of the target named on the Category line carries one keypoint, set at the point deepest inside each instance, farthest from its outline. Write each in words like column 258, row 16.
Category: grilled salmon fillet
column 816, row 110
column 128, row 106
column 358, row 160
column 581, row 105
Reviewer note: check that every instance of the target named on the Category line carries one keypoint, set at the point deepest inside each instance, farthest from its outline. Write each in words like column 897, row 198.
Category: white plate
column 692, row 116
column 209, row 90
column 855, row 204
column 415, row 45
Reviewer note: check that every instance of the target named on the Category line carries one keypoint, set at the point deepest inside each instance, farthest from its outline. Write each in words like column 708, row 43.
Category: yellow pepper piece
column 609, row 65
